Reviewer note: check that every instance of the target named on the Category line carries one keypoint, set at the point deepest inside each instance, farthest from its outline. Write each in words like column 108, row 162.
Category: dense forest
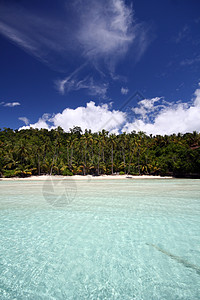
column 55, row 152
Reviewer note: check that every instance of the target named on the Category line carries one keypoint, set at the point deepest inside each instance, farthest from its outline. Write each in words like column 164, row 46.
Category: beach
column 81, row 177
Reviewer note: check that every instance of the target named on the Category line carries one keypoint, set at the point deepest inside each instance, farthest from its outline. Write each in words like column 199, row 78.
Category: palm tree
column 104, row 137
column 112, row 142
column 123, row 145
column 132, row 146
column 22, row 149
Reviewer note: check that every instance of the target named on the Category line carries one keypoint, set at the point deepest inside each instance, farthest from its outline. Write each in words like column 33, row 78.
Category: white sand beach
column 90, row 177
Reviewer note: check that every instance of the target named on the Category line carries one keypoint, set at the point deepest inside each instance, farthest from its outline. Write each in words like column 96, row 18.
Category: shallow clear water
column 100, row 239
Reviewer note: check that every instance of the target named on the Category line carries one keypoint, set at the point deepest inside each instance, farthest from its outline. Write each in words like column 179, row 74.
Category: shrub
column 67, row 172
column 121, row 173
column 23, row 174
column 9, row 173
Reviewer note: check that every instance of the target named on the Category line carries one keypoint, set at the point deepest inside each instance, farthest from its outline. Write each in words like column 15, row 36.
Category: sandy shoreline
column 81, row 177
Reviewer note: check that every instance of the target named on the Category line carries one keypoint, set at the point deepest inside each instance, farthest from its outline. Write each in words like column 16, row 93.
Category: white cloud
column 96, row 33
column 65, row 83
column 24, row 119
column 124, row 91
column 148, row 103
column 197, row 97
column 105, row 34
column 91, row 117
column 10, row 104
column 41, row 123
column 173, row 118
column 71, row 83
column 153, row 116
column 106, row 29
column 146, row 106
column 93, row 29
column 94, row 117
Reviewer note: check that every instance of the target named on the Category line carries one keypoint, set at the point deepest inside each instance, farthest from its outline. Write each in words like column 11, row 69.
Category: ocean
column 100, row 239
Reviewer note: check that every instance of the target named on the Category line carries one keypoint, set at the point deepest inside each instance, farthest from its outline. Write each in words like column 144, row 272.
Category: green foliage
column 67, row 172
column 121, row 173
column 55, row 152
column 9, row 173
column 16, row 173
column 23, row 174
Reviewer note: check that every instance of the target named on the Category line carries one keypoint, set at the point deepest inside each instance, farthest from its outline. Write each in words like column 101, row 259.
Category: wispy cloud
column 190, row 61
column 106, row 29
column 106, row 33
column 95, row 33
column 24, row 119
column 46, row 37
column 61, row 84
column 98, row 29
column 10, row 104
column 74, row 84
column 17, row 37
column 183, row 34
column 124, row 91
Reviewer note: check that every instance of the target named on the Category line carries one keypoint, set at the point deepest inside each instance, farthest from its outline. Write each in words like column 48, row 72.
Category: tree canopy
column 55, row 152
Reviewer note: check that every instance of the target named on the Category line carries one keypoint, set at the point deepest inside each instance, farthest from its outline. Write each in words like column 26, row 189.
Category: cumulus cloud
column 197, row 97
column 171, row 118
column 94, row 117
column 124, row 91
column 10, row 104
column 153, row 116
column 24, row 119
column 147, row 106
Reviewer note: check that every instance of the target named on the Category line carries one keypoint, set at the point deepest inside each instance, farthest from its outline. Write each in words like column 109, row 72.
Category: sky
column 111, row 64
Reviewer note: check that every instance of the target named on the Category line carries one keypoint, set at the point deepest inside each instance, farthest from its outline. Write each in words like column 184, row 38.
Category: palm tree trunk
column 68, row 157
column 98, row 162
column 139, row 161
column 53, row 160
column 71, row 156
column 85, row 161
column 124, row 158
column 103, row 156
column 129, row 166
column 38, row 165
column 112, row 160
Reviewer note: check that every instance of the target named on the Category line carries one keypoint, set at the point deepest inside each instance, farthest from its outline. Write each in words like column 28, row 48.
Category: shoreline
column 86, row 177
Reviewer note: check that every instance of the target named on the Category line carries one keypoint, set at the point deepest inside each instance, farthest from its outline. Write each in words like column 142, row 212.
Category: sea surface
column 100, row 239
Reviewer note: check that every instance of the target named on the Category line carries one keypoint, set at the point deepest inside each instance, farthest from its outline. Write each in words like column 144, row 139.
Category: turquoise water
column 100, row 239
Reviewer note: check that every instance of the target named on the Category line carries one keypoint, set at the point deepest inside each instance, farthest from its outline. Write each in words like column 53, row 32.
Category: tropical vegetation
column 55, row 152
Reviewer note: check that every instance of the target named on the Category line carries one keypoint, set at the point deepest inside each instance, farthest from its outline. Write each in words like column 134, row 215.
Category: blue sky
column 121, row 65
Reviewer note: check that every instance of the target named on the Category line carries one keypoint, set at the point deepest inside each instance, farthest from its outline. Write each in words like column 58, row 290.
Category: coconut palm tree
column 112, row 143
